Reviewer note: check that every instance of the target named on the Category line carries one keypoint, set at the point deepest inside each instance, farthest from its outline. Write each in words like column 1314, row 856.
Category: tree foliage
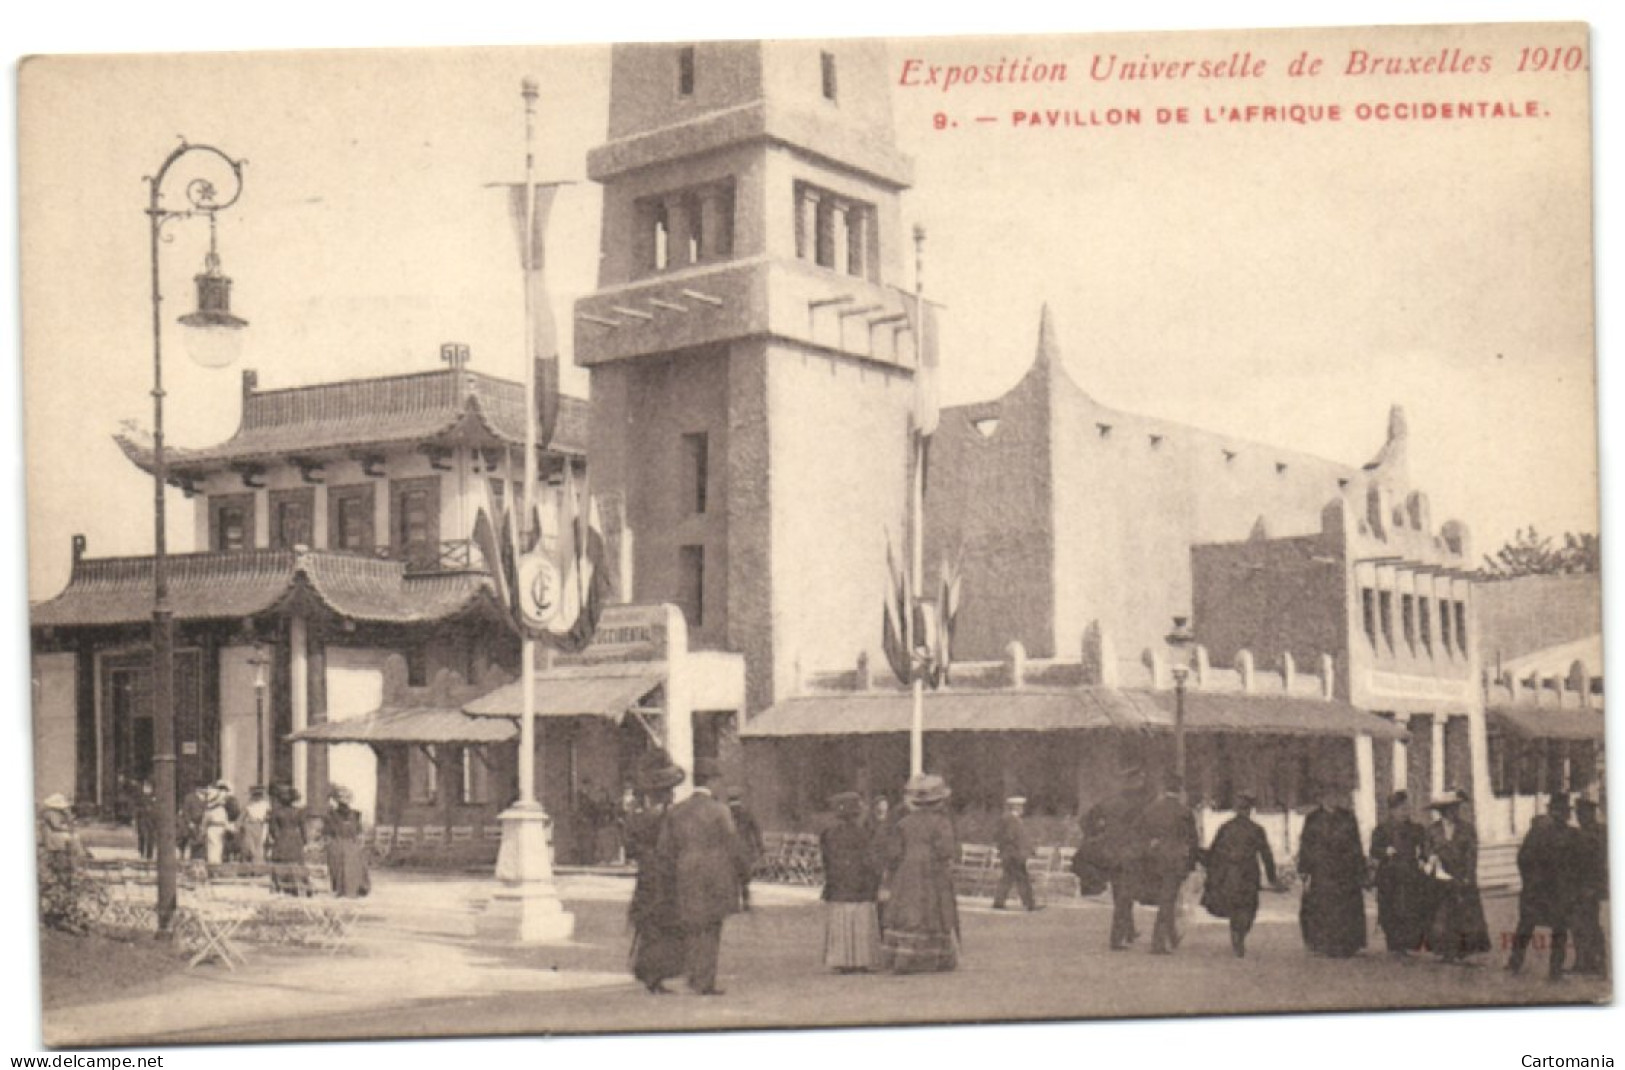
column 1528, row 553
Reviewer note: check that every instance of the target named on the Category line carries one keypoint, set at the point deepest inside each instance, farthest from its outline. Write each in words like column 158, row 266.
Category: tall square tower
column 750, row 345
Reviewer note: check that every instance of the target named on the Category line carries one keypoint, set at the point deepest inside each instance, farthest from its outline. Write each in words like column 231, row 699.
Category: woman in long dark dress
column 346, row 853
column 922, row 918
column 658, row 944
column 851, row 882
column 1405, row 894
column 1459, row 928
column 285, row 839
column 1332, row 865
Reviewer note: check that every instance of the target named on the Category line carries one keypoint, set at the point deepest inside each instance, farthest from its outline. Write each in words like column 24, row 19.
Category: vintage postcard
column 732, row 535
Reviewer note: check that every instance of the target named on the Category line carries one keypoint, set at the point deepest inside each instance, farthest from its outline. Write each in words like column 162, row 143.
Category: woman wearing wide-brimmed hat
column 58, row 833
column 1459, row 928
column 346, row 854
column 657, row 931
column 851, row 883
column 922, row 918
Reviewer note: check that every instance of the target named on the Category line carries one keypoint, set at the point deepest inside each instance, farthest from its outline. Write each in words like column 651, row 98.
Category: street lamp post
column 259, row 661
column 1179, row 641
column 218, row 330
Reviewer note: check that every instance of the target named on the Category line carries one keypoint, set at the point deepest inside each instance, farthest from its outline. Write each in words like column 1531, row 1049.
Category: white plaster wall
column 55, row 715
column 839, row 463
column 355, row 688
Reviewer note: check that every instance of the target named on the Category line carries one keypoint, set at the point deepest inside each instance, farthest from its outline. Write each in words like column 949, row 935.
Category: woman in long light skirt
column 851, row 883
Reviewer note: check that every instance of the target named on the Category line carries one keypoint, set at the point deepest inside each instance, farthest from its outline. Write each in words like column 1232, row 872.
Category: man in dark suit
column 1171, row 845
column 701, row 844
column 1545, row 861
column 1014, row 850
column 750, row 840
column 1111, row 841
column 1590, row 871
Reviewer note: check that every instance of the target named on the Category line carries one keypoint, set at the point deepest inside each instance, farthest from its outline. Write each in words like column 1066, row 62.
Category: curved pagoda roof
column 325, row 421
column 223, row 586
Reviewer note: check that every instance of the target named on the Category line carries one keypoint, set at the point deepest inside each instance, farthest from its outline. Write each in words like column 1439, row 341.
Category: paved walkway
column 414, row 941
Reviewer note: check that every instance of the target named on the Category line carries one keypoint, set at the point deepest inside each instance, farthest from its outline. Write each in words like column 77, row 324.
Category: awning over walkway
column 1269, row 715
column 1548, row 722
column 577, row 691
column 1071, row 709
column 424, row 724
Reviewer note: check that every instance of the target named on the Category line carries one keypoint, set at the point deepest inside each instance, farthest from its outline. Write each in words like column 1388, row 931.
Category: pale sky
column 1277, row 281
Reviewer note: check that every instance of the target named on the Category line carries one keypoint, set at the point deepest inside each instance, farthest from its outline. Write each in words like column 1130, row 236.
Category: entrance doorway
column 127, row 741
column 131, row 693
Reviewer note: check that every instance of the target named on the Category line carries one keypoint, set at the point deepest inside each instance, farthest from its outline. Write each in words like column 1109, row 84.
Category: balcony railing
column 451, row 555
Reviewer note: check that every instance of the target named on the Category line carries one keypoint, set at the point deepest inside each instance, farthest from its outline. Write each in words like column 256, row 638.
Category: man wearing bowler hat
column 700, row 843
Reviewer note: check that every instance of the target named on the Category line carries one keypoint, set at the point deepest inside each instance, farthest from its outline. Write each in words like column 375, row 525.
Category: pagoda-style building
column 333, row 536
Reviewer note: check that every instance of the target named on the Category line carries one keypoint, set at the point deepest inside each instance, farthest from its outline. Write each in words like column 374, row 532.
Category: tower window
column 691, row 584
column 696, row 454
column 1407, row 615
column 1385, row 616
column 1368, row 610
column 685, row 71
column 1424, row 620
column 827, row 65
column 697, row 243
column 684, row 227
column 662, row 238
column 835, row 232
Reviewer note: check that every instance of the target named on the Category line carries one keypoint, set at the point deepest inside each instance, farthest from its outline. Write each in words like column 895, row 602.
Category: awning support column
column 1402, row 758
column 1365, row 784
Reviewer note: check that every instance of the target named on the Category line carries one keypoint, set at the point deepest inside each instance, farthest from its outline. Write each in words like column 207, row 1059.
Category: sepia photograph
column 723, row 534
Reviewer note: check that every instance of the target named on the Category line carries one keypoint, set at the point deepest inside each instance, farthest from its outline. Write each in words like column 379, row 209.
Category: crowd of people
column 213, row 827
column 1425, row 876
column 890, row 900
column 889, row 890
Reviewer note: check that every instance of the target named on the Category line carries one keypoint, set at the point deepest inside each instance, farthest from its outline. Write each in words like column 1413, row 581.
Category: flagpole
column 916, row 735
column 527, row 645
column 525, row 907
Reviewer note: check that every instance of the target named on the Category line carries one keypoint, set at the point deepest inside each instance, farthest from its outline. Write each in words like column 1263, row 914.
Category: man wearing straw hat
column 1014, row 850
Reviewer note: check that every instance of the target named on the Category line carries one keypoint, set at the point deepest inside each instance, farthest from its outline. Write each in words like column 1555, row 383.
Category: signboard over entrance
column 626, row 633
